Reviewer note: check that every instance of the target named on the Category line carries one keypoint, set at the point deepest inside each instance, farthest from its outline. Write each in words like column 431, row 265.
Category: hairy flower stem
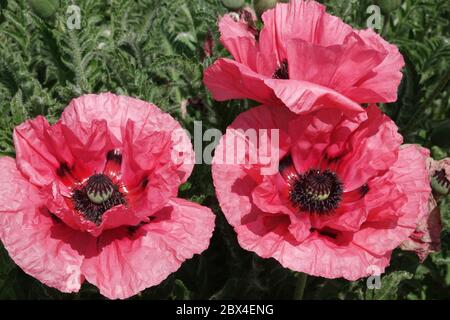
column 300, row 285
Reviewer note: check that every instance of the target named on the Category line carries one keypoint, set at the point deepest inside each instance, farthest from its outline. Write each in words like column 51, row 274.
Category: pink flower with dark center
column 94, row 197
column 345, row 194
column 318, row 53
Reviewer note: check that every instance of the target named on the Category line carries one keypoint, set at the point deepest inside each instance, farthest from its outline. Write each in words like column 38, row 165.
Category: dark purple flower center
column 317, row 191
column 282, row 71
column 96, row 196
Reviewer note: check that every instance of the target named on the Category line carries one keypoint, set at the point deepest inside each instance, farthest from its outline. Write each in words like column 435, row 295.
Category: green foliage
column 389, row 286
column 152, row 50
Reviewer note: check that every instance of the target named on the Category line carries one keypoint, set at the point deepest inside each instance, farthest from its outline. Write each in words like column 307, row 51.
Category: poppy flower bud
column 263, row 5
column 44, row 8
column 233, row 4
column 388, row 5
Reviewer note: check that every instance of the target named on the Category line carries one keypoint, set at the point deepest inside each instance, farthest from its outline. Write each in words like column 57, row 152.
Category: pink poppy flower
column 319, row 54
column 94, row 197
column 427, row 236
column 343, row 196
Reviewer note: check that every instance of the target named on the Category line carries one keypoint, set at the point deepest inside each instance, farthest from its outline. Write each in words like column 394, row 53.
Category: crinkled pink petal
column 256, row 141
column 124, row 263
column 40, row 245
column 148, row 165
column 237, row 177
column 266, row 195
column 264, row 117
column 239, row 41
column 41, row 149
column 348, row 217
column 427, row 236
column 315, row 256
column 228, row 79
column 372, row 149
column 318, row 137
column 305, row 20
column 233, row 189
column 37, row 160
column 272, row 196
column 410, row 174
column 303, row 97
column 232, row 175
column 89, row 144
column 149, row 150
column 384, row 198
column 382, row 83
column 119, row 110
column 340, row 67
column 300, row 226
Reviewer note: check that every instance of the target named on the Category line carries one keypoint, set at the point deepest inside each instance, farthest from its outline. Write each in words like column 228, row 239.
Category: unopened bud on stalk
column 263, row 5
column 388, row 5
column 233, row 4
column 44, row 8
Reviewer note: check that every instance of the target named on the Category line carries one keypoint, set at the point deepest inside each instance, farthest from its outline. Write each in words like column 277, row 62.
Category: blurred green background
column 154, row 50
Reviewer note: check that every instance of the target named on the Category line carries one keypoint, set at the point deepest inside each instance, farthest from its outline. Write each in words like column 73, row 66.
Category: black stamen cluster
column 317, row 191
column 282, row 72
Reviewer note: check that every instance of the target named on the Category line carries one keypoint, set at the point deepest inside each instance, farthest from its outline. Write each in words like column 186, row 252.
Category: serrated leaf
column 187, row 39
column 389, row 285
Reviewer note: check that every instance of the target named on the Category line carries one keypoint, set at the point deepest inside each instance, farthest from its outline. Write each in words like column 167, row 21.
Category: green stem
column 300, row 286
column 386, row 21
